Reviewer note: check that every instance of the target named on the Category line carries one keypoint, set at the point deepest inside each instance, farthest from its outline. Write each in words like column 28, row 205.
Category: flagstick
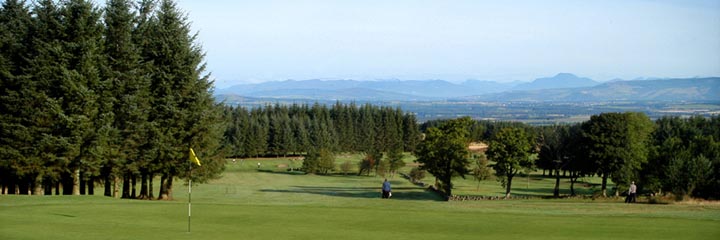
column 189, row 196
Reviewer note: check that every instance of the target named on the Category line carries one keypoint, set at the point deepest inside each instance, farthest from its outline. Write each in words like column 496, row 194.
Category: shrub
column 416, row 174
column 346, row 167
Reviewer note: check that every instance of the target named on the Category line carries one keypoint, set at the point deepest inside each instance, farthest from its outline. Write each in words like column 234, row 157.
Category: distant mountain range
column 562, row 80
column 561, row 87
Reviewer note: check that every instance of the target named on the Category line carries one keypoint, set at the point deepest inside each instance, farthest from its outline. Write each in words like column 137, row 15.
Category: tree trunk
column 57, row 188
column 143, row 186
column 126, row 186
column 47, row 184
column 90, row 187
column 108, row 186
column 150, row 186
column 133, row 184
column 604, row 184
column 508, row 186
column 169, row 187
column 556, row 191
column 83, row 182
column 166, row 187
column 116, row 186
column 573, row 178
column 162, row 186
column 38, row 184
column 447, row 185
column 76, row 182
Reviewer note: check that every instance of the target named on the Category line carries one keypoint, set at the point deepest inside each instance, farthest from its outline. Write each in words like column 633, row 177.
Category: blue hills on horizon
column 561, row 87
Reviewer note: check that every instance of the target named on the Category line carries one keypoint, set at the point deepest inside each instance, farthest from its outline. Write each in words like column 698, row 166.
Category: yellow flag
column 194, row 158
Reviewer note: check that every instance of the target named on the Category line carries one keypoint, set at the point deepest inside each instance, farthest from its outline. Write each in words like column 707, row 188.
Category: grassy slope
column 247, row 204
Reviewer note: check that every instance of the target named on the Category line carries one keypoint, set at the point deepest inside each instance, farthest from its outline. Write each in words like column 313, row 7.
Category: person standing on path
column 386, row 189
column 632, row 192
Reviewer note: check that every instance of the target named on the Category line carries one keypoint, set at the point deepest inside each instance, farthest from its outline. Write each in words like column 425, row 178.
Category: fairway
column 247, row 203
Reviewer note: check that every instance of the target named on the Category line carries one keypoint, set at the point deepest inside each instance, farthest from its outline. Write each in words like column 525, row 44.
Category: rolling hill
column 691, row 89
column 562, row 87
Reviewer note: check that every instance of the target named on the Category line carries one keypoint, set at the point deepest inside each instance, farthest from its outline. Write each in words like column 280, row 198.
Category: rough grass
column 271, row 203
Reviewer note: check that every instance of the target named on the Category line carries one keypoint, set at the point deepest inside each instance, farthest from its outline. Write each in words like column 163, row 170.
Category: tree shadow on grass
column 537, row 192
column 282, row 172
column 399, row 193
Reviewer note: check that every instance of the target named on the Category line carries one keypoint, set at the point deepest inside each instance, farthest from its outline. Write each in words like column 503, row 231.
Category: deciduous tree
column 510, row 149
column 618, row 142
column 444, row 152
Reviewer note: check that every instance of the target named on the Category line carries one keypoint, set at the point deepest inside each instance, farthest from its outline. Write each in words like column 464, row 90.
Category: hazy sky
column 255, row 41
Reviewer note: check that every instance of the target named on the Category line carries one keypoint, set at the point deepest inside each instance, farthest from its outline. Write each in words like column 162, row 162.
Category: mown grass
column 271, row 203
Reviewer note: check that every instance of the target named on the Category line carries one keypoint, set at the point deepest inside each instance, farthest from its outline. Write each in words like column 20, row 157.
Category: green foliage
column 444, row 152
column 481, row 170
column 383, row 168
column 327, row 161
column 619, row 144
column 555, row 152
column 417, row 174
column 680, row 146
column 119, row 95
column 311, row 163
column 482, row 130
column 367, row 164
column 345, row 167
column 319, row 161
column 294, row 129
column 684, row 175
column 395, row 160
column 510, row 149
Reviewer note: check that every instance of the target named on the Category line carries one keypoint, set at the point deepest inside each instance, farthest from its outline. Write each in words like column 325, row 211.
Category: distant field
column 274, row 204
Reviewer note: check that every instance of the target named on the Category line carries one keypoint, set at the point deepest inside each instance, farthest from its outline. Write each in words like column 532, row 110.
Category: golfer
column 386, row 190
column 633, row 192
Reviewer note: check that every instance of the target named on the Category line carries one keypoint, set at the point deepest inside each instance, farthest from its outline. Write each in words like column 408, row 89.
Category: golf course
column 270, row 202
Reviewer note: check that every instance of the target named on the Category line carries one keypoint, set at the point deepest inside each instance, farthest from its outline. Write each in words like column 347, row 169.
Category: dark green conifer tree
column 184, row 113
column 16, row 90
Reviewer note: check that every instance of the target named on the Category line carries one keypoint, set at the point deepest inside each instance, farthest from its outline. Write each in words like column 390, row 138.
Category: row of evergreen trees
column 319, row 130
column 91, row 95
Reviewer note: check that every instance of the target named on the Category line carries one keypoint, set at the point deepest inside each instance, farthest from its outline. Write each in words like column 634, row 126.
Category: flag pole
column 189, row 195
column 193, row 159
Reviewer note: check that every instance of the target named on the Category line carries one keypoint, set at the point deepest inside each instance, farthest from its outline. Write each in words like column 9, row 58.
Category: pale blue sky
column 267, row 40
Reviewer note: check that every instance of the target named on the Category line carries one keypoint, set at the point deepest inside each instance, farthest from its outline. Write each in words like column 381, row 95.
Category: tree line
column 670, row 155
column 111, row 96
column 117, row 96
column 319, row 131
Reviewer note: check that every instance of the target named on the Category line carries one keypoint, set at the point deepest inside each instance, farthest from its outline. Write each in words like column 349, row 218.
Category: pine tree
column 15, row 91
column 300, row 125
column 81, row 88
column 184, row 114
column 128, row 96
column 368, row 135
column 411, row 132
column 44, row 157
